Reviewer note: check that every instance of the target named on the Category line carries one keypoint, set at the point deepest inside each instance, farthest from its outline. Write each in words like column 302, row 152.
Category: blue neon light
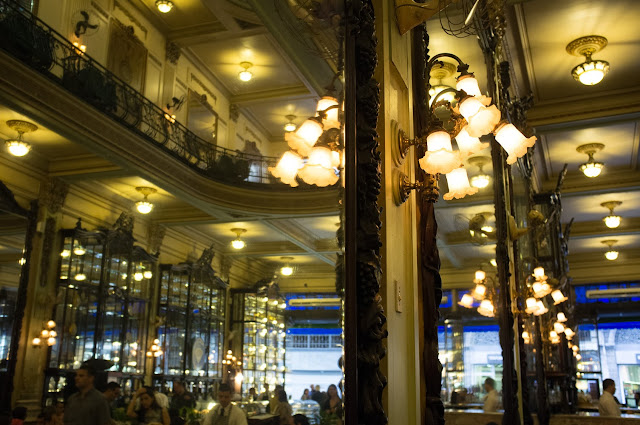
column 581, row 293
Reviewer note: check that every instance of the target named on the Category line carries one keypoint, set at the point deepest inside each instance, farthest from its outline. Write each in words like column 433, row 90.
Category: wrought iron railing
column 43, row 49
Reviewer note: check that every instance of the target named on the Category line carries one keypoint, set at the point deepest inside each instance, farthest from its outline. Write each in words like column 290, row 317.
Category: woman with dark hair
column 150, row 412
column 333, row 405
column 283, row 408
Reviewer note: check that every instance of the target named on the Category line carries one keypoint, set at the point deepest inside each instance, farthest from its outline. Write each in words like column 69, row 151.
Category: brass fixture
column 611, row 221
column 592, row 71
column 18, row 147
column 591, row 168
column 144, row 206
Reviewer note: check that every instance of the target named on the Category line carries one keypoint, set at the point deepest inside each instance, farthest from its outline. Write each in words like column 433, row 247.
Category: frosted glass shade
column 466, row 301
column 459, row 187
column 591, row 72
column 303, row 139
column 558, row 327
column 561, row 317
column 486, row 308
column 542, row 309
column 569, row 333
column 611, row 255
column 558, row 297
column 538, row 273
column 440, row 157
column 332, row 119
column 513, row 142
column 469, row 84
column 479, row 291
column 482, row 119
column 612, row 221
column 320, row 169
column 469, row 145
column 531, row 305
column 18, row 147
column 287, row 168
column 480, row 276
column 480, row 181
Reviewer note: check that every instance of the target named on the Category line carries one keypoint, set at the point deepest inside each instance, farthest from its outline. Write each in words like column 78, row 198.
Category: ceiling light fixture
column 245, row 75
column 290, row 126
column 144, row 206
column 286, row 270
column 592, row 71
column 611, row 221
column 164, row 6
column 612, row 254
column 591, row 168
column 238, row 243
column 480, row 180
column 441, row 71
column 18, row 147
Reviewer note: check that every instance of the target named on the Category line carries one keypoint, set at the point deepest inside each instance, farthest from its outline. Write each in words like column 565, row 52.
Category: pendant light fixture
column 611, row 221
column 290, row 125
column 164, row 6
column 591, row 168
column 144, row 206
column 611, row 254
column 238, row 243
column 245, row 75
column 591, row 71
column 18, row 147
column 480, row 180
column 287, row 269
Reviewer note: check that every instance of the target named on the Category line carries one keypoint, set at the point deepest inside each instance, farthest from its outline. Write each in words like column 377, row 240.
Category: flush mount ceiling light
column 591, row 168
column 245, row 75
column 611, row 221
column 439, row 72
column 164, row 6
column 144, row 206
column 290, row 125
column 611, row 254
column 18, row 147
column 238, row 243
column 480, row 180
column 592, row 71
column 286, row 270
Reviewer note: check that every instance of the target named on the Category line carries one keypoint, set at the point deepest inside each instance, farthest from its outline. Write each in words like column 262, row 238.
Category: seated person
column 150, row 411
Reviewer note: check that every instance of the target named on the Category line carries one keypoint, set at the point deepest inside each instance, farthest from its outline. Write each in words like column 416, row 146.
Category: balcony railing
column 40, row 47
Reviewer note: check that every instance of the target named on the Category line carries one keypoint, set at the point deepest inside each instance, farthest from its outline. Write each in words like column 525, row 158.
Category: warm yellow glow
column 481, row 119
column 65, row 253
column 611, row 255
column 144, row 207
column 286, row 271
column 51, row 341
column 612, row 221
column 466, row 301
column 479, row 291
column 459, row 186
column 320, row 169
column 138, row 276
column 287, row 168
column 493, row 262
column 80, row 277
column 541, row 308
column 513, row 142
column 558, row 297
column 44, row 333
column 36, row 341
column 531, row 305
column 237, row 243
column 480, row 276
column 79, row 250
column 439, row 158
column 578, row 357
column 18, row 147
column 558, row 327
column 561, row 317
column 434, row 91
column 164, row 6
column 590, row 72
column 290, row 126
column 469, row 84
column 303, row 139
column 569, row 333
column 592, row 169
column 438, row 140
column 480, row 181
column 486, row 308
column 332, row 118
column 51, row 324
column 245, row 75
column 575, row 348
column 469, row 145
column 148, row 274
column 538, row 273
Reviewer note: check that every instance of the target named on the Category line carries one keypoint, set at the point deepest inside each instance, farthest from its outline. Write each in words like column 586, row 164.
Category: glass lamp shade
column 469, row 84
column 481, row 119
column 245, row 75
column 144, row 207
column 148, row 274
column 525, row 335
column 138, row 276
column 575, row 348
column 480, row 181
column 469, row 145
column 486, row 308
column 513, row 142
column 164, row 6
column 562, row 317
column 538, row 273
column 542, row 309
column 558, row 297
column 439, row 158
column 458, row 183
column 479, row 291
column 79, row 250
column 569, row 333
column 466, row 301
column 332, row 118
column 590, row 72
column 612, row 221
column 80, row 277
column 303, row 139
column 578, row 357
column 290, row 127
column 531, row 305
column 18, row 147
column 238, row 244
column 558, row 327
column 592, row 169
column 480, row 276
column 287, row 168
column 286, row 270
column 611, row 255
column 553, row 334
column 321, row 167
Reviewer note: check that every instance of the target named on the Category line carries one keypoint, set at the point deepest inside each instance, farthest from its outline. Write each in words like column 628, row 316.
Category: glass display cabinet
column 259, row 316
column 454, row 364
column 191, row 323
column 102, row 305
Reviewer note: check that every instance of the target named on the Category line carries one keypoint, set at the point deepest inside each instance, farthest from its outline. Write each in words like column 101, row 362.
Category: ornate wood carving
column 53, row 193
column 155, row 236
column 173, row 53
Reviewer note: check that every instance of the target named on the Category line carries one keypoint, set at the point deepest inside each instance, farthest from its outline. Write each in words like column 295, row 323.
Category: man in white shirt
column 607, row 405
column 492, row 399
column 225, row 413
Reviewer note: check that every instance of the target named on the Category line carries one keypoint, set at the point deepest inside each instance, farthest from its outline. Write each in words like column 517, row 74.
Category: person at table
column 150, row 411
column 305, row 394
column 282, row 408
column 181, row 399
column 225, row 413
column 492, row 399
column 266, row 395
column 333, row 404
column 607, row 405
column 88, row 406
column 253, row 396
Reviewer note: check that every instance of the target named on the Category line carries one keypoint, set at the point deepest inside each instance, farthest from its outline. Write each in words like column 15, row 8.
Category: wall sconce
column 290, row 125
column 47, row 335
column 592, row 71
column 245, row 75
column 611, row 221
column 238, row 243
column 144, row 206
column 164, row 6
column 18, row 147
column 286, row 270
column 480, row 180
column 591, row 168
column 611, row 254
column 155, row 350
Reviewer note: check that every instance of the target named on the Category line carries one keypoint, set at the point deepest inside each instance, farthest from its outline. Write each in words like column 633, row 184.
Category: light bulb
column 79, row 250
column 36, row 341
column 164, row 6
column 612, row 221
column 466, row 301
column 611, row 255
column 18, row 147
column 138, row 276
column 144, row 207
column 480, row 276
column 148, row 274
column 51, row 341
column 480, row 181
column 558, row 297
column 558, row 327
column 538, row 273
column 237, row 244
column 65, row 253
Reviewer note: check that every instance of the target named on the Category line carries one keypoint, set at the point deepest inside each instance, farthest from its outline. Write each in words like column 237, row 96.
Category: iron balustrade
column 33, row 42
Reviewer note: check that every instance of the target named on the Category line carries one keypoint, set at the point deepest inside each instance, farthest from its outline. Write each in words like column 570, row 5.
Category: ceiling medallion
column 591, row 168
column 591, row 71
column 18, row 147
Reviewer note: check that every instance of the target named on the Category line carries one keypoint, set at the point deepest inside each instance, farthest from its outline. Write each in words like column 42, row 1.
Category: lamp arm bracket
column 463, row 68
